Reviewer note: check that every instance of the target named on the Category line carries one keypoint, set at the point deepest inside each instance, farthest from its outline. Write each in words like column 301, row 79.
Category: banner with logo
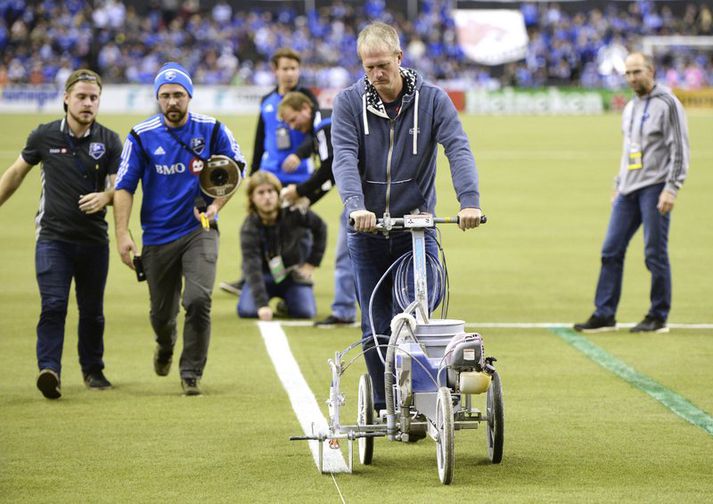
column 133, row 99
column 491, row 37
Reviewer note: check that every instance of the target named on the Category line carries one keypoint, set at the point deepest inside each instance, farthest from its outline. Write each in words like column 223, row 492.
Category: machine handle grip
column 398, row 221
column 456, row 220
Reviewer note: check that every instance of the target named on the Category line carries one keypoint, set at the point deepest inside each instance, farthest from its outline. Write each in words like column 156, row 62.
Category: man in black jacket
column 298, row 112
column 80, row 158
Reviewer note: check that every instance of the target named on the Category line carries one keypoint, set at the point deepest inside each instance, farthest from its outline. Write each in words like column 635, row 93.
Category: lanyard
column 643, row 118
column 265, row 238
column 182, row 143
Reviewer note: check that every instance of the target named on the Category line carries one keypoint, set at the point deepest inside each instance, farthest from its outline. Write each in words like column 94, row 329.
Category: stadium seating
column 570, row 43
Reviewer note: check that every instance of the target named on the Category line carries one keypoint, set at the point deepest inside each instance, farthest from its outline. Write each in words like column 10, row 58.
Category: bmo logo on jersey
column 173, row 169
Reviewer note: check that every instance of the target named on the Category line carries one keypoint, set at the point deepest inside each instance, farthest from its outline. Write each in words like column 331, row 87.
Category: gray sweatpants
column 194, row 258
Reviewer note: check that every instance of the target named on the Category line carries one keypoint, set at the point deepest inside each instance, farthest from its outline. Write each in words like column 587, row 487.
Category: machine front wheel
column 445, row 455
column 496, row 426
column 365, row 416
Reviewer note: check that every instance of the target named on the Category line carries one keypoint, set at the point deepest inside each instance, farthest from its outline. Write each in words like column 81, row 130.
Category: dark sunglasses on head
column 83, row 77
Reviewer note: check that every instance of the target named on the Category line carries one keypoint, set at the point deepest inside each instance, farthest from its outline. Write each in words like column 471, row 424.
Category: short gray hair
column 378, row 36
column 646, row 58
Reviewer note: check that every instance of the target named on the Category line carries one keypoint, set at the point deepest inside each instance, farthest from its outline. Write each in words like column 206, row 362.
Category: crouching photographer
column 273, row 265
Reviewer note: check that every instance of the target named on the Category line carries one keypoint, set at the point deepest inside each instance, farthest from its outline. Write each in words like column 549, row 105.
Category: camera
column 139, row 267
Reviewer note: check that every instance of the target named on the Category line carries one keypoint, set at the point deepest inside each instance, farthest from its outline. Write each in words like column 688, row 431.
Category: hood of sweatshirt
column 372, row 102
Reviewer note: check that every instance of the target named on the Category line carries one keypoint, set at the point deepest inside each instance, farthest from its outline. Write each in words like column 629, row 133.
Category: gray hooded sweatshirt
column 389, row 165
column 654, row 126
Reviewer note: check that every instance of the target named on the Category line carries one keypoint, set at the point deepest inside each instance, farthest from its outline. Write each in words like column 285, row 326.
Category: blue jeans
column 299, row 298
column 371, row 256
column 628, row 213
column 344, row 305
column 56, row 263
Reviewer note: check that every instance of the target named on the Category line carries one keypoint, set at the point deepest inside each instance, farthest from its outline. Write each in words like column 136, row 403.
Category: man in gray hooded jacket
column 385, row 131
column 654, row 164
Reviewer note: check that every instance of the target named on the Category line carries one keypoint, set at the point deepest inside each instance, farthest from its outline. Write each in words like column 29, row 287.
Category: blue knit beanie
column 173, row 73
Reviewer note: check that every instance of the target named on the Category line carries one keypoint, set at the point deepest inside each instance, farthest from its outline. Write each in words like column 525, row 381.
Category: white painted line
column 568, row 325
column 303, row 401
column 517, row 325
column 309, row 323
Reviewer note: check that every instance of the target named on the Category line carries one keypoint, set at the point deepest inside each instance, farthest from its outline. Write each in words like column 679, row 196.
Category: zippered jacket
column 655, row 126
column 389, row 165
column 267, row 155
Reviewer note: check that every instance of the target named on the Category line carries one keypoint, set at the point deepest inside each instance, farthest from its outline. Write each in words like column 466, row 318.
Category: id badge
column 277, row 269
column 635, row 157
column 283, row 138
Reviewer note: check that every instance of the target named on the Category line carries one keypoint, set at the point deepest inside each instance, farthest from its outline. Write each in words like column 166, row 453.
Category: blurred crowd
column 41, row 42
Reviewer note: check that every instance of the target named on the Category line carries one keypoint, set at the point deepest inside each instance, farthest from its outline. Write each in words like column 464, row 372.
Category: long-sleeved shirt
column 656, row 135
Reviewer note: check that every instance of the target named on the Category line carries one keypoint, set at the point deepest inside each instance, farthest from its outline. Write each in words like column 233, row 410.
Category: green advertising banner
column 547, row 101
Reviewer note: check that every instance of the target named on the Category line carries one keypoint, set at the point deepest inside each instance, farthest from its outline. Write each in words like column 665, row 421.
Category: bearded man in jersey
column 167, row 153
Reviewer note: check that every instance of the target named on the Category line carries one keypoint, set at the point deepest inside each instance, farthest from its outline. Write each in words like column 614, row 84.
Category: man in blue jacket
column 167, row 153
column 385, row 131
column 282, row 151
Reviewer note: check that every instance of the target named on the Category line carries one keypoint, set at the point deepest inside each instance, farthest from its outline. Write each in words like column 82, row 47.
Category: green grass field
column 575, row 431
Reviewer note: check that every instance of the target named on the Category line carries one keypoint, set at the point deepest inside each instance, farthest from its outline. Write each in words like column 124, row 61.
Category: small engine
column 465, row 360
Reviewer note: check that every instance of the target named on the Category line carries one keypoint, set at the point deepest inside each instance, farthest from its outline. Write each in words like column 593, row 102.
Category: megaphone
column 220, row 177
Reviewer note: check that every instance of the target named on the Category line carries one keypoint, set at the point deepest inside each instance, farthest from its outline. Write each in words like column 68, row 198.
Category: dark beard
column 175, row 116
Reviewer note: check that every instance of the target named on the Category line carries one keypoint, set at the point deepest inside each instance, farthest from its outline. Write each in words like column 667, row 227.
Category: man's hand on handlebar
column 469, row 218
column 364, row 220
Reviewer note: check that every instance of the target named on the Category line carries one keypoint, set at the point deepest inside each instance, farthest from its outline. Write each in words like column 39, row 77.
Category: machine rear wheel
column 496, row 426
column 445, row 455
column 365, row 416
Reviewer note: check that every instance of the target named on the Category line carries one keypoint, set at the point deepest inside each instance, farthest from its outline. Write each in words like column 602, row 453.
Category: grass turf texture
column 574, row 431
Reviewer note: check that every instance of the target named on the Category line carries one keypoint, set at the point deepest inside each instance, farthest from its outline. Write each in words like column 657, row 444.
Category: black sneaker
column 190, row 386
column 596, row 324
column 333, row 321
column 232, row 287
column 650, row 324
column 49, row 385
column 96, row 381
column 161, row 362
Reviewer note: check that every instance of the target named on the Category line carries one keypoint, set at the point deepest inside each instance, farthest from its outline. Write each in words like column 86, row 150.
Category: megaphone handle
column 205, row 222
column 202, row 207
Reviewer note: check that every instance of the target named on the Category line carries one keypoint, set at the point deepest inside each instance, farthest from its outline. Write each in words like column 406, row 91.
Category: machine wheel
column 445, row 455
column 365, row 416
column 496, row 426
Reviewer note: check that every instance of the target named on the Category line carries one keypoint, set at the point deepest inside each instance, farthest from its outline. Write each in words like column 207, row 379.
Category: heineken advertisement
column 549, row 101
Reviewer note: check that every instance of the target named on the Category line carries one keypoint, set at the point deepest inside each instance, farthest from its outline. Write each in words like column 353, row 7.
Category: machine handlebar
column 415, row 221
